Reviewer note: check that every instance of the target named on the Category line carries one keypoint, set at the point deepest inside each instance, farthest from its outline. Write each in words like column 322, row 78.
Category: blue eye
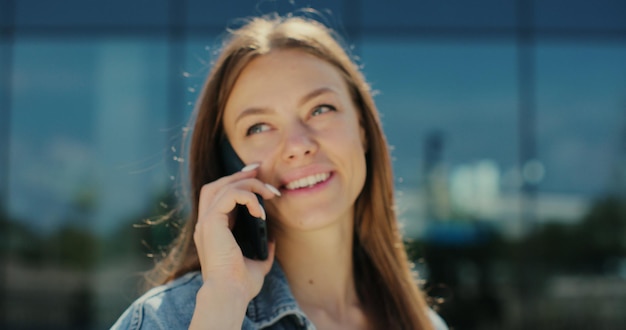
column 257, row 128
column 322, row 109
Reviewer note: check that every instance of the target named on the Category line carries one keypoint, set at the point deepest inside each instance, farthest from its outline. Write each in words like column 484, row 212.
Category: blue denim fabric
column 171, row 306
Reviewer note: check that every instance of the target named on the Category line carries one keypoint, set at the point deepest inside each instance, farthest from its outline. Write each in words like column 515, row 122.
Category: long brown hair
column 385, row 281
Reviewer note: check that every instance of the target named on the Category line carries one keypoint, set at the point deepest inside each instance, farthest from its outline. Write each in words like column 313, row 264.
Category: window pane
column 89, row 138
column 439, row 102
column 580, row 226
column 580, row 117
column 220, row 14
column 200, row 52
column 6, row 13
column 446, row 14
column 73, row 13
column 580, row 14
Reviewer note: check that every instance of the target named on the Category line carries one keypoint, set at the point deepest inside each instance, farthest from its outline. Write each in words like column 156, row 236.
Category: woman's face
column 292, row 113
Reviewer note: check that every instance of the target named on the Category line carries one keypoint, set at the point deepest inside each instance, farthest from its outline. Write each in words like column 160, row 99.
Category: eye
column 257, row 128
column 322, row 109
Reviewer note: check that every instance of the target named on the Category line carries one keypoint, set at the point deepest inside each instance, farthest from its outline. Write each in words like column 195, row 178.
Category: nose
column 299, row 142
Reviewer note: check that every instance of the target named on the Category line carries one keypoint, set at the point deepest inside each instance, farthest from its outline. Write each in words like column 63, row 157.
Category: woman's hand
column 230, row 279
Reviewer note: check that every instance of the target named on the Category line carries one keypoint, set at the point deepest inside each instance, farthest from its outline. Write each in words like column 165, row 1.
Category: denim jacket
column 171, row 306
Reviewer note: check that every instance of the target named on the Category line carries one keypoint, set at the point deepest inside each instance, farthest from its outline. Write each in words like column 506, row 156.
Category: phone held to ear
column 249, row 231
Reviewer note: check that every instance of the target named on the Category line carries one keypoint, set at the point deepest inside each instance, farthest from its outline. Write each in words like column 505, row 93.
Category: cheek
column 259, row 151
column 359, row 140
column 363, row 136
column 358, row 162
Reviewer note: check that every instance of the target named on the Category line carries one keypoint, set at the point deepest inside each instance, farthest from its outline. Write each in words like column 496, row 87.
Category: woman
column 297, row 110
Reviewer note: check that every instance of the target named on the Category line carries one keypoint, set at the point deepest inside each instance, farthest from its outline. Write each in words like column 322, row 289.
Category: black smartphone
column 250, row 232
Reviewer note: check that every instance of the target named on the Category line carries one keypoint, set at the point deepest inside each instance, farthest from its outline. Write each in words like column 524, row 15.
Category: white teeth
column 307, row 181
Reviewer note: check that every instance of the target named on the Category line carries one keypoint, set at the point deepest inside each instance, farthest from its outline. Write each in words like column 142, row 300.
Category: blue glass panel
column 581, row 126
column 40, row 13
column 89, row 152
column 431, row 13
column 580, row 14
column 220, row 14
column 88, row 116
column 448, row 107
column 6, row 14
column 200, row 51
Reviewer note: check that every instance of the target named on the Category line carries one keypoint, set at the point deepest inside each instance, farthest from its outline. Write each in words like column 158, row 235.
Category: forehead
column 283, row 74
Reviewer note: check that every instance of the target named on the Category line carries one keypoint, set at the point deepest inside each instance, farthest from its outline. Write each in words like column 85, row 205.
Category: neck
column 319, row 267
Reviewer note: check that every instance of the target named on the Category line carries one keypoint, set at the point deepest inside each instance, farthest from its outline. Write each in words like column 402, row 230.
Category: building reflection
column 507, row 122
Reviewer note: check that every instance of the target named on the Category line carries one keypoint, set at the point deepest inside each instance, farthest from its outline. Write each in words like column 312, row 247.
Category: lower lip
column 307, row 190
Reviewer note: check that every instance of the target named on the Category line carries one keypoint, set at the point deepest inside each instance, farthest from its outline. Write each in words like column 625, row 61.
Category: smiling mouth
column 308, row 181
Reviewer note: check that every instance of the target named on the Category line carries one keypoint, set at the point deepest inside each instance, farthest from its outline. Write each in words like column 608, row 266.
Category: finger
column 248, row 171
column 226, row 202
column 228, row 179
column 209, row 190
column 266, row 191
column 267, row 264
column 214, row 242
column 263, row 266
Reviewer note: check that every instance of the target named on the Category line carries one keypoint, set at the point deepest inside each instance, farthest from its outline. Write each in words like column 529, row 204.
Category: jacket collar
column 275, row 301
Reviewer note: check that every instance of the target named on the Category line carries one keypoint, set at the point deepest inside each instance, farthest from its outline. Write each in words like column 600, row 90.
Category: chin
column 312, row 220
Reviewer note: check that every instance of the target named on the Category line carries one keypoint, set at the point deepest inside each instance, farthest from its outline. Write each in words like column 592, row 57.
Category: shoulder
column 168, row 306
column 436, row 320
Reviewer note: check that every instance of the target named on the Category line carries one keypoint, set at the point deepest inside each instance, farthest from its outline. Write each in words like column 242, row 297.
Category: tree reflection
column 478, row 280
column 496, row 283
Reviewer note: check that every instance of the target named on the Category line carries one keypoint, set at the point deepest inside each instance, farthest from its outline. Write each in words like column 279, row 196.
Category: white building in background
column 475, row 189
column 479, row 191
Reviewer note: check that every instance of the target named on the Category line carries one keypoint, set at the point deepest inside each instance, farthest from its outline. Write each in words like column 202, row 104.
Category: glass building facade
column 507, row 121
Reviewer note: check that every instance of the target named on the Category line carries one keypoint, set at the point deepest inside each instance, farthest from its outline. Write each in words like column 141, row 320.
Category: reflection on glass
column 79, row 14
column 437, row 97
column 577, row 15
column 454, row 113
column 405, row 17
column 94, row 142
column 89, row 141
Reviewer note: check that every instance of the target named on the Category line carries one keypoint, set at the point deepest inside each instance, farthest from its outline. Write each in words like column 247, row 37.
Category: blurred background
column 507, row 121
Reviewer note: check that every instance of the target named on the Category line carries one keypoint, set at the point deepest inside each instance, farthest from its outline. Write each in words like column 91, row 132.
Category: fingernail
column 263, row 215
column 273, row 189
column 250, row 167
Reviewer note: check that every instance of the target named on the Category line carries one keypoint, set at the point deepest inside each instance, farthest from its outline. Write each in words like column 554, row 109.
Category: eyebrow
column 315, row 93
column 309, row 96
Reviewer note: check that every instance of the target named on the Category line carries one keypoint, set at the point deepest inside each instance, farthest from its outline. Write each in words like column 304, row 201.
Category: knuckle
column 196, row 235
column 206, row 189
column 198, row 227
